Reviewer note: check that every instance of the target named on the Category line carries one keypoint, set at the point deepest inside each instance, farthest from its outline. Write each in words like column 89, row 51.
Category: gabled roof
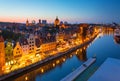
column 1, row 39
column 23, row 41
column 37, row 42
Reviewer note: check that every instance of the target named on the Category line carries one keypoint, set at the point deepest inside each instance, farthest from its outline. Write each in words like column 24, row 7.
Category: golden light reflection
column 64, row 59
column 65, row 45
column 70, row 55
column 42, row 70
column 26, row 78
column 53, row 64
column 57, row 61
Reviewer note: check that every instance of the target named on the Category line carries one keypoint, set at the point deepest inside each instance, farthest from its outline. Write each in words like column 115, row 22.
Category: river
column 103, row 46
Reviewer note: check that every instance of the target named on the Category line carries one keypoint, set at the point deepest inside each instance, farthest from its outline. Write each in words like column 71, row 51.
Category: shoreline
column 79, row 70
column 27, row 68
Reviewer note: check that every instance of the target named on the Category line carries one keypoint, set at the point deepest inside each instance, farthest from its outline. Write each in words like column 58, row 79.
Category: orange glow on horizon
column 12, row 19
column 30, row 19
column 23, row 20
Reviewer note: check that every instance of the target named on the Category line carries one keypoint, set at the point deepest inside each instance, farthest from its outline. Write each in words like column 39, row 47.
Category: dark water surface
column 103, row 47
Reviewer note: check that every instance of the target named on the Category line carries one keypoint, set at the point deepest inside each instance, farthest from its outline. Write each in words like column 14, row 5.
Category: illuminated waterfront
column 68, row 63
column 39, row 57
column 56, row 40
column 35, row 49
column 62, row 65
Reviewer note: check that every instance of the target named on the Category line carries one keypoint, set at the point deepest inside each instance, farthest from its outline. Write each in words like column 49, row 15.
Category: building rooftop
column 108, row 71
column 1, row 39
column 23, row 41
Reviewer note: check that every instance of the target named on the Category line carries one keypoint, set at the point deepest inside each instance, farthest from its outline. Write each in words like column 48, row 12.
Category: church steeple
column 57, row 22
column 27, row 23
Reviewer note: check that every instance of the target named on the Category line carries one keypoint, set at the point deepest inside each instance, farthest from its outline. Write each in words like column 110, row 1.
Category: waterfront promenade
column 79, row 70
column 4, row 77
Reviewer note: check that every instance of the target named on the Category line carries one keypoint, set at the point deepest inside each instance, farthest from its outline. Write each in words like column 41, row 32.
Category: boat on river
column 117, row 35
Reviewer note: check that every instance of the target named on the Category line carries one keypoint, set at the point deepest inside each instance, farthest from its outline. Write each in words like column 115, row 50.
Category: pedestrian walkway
column 79, row 70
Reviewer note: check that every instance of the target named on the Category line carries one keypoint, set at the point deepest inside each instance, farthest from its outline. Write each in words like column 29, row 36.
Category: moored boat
column 117, row 35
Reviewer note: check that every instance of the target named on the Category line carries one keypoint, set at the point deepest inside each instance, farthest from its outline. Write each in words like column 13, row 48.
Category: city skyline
column 72, row 11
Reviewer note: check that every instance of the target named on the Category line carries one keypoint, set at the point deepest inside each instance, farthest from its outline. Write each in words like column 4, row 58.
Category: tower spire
column 27, row 22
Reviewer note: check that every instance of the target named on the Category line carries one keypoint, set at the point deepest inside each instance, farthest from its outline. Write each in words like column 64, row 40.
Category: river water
column 103, row 46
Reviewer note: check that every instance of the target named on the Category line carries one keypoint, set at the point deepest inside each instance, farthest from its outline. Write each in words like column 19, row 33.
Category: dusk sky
column 73, row 11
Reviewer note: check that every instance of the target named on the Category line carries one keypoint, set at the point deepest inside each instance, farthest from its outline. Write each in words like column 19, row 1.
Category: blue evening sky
column 73, row 11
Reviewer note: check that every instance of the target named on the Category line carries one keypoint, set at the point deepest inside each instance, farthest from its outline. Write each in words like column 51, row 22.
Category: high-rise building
column 2, row 53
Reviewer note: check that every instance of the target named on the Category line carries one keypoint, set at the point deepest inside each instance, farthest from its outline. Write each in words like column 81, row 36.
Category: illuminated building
column 48, row 46
column 2, row 53
column 31, row 42
column 9, row 53
column 60, row 37
column 57, row 22
column 17, row 52
column 37, row 45
column 24, row 45
column 62, row 25
column 84, row 30
column 30, row 24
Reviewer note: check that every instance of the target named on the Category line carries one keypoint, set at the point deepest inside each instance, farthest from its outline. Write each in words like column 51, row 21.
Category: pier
column 79, row 70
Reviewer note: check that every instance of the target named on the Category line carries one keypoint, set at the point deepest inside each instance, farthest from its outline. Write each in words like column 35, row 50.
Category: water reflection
column 59, row 62
column 31, row 76
column 81, row 54
column 112, row 32
column 44, row 69
column 107, row 31
column 104, row 47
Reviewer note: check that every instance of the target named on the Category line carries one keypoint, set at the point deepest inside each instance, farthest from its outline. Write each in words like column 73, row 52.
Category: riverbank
column 46, row 60
column 79, row 70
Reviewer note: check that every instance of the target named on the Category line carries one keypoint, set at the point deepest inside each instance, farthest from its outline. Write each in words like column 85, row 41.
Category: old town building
column 17, row 52
column 9, row 53
column 2, row 54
